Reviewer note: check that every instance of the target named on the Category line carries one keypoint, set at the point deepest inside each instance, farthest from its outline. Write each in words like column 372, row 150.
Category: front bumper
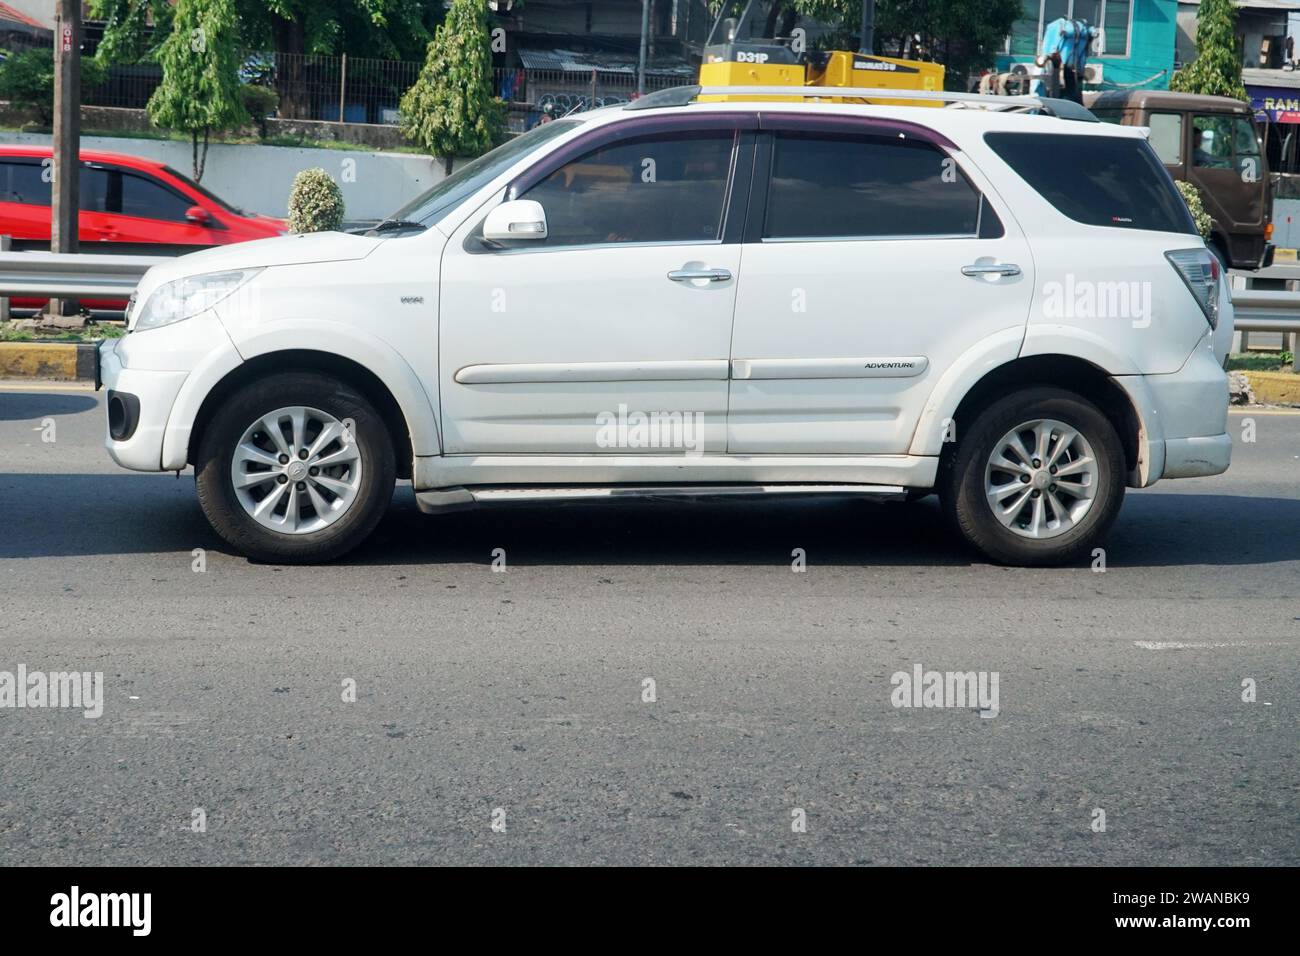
column 149, row 396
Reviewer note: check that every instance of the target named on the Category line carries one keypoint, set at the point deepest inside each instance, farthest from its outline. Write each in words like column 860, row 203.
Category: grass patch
column 93, row 332
column 1260, row 362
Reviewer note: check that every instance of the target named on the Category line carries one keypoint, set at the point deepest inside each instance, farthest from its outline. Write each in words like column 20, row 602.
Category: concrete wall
column 258, row 178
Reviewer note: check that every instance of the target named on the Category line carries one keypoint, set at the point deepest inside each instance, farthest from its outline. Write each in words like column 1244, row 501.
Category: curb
column 52, row 361
column 1275, row 388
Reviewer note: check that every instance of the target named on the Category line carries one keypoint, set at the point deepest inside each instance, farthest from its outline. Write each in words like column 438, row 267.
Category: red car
column 139, row 206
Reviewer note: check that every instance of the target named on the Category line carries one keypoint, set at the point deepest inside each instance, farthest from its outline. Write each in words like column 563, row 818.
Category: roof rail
column 683, row 95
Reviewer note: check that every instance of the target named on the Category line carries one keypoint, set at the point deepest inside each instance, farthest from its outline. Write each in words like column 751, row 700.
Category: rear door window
column 24, row 182
column 1097, row 180
column 832, row 186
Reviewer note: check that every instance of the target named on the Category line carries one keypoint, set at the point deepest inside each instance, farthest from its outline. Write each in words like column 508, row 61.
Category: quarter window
column 1097, row 180
column 826, row 186
column 648, row 189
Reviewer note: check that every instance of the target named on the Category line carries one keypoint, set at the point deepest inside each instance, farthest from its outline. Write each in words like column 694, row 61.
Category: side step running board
column 446, row 499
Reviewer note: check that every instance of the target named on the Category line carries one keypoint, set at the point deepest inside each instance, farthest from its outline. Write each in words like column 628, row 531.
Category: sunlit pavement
column 520, row 696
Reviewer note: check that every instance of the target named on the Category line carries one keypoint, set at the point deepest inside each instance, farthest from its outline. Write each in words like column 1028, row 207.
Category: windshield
column 435, row 203
column 206, row 193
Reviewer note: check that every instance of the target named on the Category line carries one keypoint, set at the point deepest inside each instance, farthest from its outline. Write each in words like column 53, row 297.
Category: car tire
column 1053, row 508
column 343, row 469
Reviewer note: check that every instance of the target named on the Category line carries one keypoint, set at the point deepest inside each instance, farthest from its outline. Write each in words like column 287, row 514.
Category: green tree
column 386, row 29
column 1216, row 71
column 450, row 111
column 199, row 92
column 133, row 29
column 27, row 81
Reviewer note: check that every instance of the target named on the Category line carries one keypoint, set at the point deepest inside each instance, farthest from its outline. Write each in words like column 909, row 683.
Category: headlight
column 186, row 298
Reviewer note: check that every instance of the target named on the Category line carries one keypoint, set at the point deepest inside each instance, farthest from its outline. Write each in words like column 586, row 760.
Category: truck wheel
column 1038, row 478
column 295, row 468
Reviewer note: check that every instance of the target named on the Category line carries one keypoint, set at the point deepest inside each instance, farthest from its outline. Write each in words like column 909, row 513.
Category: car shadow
column 94, row 514
column 33, row 406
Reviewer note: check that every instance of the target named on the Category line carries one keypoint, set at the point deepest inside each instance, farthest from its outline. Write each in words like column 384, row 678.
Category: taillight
column 1268, row 231
column 1199, row 269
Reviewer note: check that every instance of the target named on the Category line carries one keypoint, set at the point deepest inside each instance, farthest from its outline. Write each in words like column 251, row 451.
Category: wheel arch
column 1073, row 374
column 348, row 370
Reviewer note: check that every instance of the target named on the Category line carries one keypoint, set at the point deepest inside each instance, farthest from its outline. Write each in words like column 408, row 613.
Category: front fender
column 334, row 338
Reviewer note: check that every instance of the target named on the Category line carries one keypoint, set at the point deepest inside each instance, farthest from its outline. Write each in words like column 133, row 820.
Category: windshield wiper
column 392, row 225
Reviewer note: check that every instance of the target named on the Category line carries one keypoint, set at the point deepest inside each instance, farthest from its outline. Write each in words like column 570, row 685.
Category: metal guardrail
column 72, row 276
column 1260, row 311
column 1267, row 310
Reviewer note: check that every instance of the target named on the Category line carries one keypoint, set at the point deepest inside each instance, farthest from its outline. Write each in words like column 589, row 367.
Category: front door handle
column 687, row 275
column 1003, row 269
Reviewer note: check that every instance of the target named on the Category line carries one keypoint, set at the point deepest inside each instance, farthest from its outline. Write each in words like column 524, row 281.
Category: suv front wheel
column 1037, row 479
column 295, row 468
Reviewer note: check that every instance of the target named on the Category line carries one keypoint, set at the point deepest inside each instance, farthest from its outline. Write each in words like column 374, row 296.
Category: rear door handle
column 687, row 275
column 1002, row 269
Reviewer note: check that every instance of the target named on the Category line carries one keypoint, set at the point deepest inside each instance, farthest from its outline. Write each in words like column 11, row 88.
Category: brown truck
column 1211, row 141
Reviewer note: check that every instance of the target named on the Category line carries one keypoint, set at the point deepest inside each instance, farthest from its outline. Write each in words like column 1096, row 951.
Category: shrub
column 315, row 202
column 1192, row 196
column 260, row 102
column 27, row 81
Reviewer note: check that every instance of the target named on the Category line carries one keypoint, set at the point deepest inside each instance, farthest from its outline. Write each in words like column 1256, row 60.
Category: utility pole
column 65, row 170
column 867, row 36
column 645, row 38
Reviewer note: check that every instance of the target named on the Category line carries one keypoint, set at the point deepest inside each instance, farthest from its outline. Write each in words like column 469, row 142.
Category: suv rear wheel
column 1037, row 479
column 295, row 468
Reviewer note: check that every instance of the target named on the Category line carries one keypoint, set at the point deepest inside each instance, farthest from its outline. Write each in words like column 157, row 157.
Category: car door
column 25, row 201
column 612, row 334
column 145, row 214
column 874, row 258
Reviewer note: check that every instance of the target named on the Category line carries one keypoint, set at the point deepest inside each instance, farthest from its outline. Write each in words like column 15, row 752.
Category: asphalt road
column 522, row 690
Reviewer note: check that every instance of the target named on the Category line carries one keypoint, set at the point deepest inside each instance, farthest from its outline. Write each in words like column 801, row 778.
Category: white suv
column 1009, row 308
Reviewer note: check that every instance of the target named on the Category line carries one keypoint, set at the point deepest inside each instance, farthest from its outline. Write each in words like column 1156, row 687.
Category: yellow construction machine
column 734, row 59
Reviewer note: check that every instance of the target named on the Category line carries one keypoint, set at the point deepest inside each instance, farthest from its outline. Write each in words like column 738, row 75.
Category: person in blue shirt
column 1065, row 54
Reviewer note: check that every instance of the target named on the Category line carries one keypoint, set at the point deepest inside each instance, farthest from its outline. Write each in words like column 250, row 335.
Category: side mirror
column 198, row 215
column 520, row 219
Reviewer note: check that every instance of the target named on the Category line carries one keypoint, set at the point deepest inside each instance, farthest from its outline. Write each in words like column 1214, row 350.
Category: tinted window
column 94, row 190
column 649, row 189
column 24, row 183
column 824, row 186
column 203, row 191
column 1097, row 180
column 145, row 198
